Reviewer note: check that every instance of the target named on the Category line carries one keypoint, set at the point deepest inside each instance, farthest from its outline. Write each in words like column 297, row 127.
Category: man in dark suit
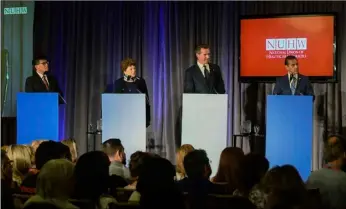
column 40, row 81
column 293, row 83
column 204, row 77
column 130, row 83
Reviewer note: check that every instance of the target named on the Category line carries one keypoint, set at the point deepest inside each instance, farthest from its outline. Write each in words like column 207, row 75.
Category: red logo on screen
column 278, row 48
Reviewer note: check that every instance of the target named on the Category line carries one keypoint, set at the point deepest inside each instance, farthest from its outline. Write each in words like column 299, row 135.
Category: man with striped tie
column 293, row 83
column 40, row 81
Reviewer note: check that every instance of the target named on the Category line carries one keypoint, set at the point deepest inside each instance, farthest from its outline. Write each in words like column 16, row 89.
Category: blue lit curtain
column 87, row 40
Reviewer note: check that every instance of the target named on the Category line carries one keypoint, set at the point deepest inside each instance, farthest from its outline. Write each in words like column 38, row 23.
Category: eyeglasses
column 45, row 63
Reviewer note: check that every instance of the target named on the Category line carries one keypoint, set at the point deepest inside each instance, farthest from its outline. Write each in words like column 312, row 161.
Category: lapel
column 41, row 81
column 287, row 83
column 123, row 86
column 199, row 75
column 298, row 82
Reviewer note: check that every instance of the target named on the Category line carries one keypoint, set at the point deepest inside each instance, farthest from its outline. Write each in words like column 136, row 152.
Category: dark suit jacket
column 195, row 82
column 282, row 86
column 34, row 83
column 119, row 86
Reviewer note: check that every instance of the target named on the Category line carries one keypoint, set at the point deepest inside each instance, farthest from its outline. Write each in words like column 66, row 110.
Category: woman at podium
column 130, row 83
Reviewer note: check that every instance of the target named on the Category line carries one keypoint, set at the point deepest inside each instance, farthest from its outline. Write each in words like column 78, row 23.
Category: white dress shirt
column 201, row 67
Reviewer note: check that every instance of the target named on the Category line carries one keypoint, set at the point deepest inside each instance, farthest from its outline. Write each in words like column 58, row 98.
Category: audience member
column 136, row 196
column 330, row 180
column 36, row 143
column 197, row 167
column 135, row 166
column 116, row 154
column 72, row 145
column 5, row 148
column 55, row 184
column 279, row 179
column 254, row 167
column 156, row 185
column 6, row 182
column 47, row 150
column 181, row 153
column 230, row 168
column 34, row 146
column 22, row 157
column 280, row 200
column 92, row 179
column 334, row 138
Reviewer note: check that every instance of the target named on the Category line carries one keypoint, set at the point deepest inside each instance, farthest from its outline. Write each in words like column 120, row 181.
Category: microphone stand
column 6, row 84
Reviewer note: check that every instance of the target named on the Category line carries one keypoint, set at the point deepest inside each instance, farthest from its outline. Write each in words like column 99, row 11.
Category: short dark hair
column 254, row 168
column 112, row 146
column 127, row 63
column 290, row 57
column 37, row 59
column 50, row 150
column 136, row 162
column 92, row 175
column 195, row 162
column 333, row 150
column 201, row 46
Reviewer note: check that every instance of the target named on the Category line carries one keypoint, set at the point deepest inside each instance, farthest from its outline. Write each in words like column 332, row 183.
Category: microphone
column 62, row 98
column 215, row 90
column 128, row 78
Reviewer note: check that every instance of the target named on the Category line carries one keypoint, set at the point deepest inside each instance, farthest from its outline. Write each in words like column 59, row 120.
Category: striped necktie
column 45, row 81
column 293, row 85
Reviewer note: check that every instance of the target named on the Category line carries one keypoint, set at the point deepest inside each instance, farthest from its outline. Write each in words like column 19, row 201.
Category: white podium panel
column 204, row 124
column 124, row 117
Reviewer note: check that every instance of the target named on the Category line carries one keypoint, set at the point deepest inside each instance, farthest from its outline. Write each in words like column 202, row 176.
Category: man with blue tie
column 293, row 83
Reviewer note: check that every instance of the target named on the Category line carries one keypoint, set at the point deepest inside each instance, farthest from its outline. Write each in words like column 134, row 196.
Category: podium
column 289, row 132
column 124, row 117
column 204, row 124
column 37, row 117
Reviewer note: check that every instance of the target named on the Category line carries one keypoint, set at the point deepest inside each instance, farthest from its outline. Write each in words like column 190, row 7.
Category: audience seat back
column 123, row 195
column 83, row 204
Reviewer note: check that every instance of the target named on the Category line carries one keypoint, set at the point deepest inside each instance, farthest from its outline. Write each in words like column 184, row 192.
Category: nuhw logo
column 286, row 44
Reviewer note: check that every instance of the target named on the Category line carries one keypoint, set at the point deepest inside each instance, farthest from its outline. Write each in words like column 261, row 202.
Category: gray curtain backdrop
column 87, row 40
column 16, row 53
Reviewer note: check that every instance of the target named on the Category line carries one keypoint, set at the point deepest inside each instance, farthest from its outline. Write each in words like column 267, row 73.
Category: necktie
column 206, row 73
column 45, row 81
column 293, row 85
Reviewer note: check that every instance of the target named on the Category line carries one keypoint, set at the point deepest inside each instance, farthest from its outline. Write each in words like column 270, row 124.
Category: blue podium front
column 37, row 117
column 289, row 123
